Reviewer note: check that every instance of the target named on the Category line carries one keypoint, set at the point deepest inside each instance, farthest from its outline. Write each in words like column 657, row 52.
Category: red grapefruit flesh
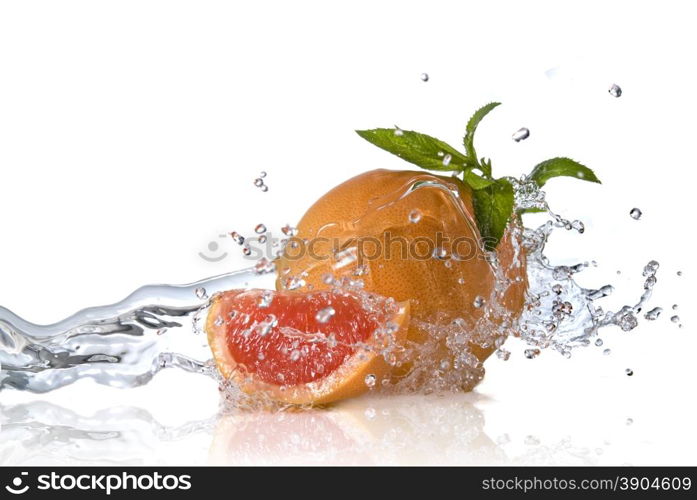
column 304, row 348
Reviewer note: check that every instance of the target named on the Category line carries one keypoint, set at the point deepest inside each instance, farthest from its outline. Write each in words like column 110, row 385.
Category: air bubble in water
column 607, row 352
column 675, row 307
column 262, row 174
column 679, row 273
column 653, row 313
column 424, row 77
column 260, row 229
column 675, row 319
column 370, row 380
column 479, row 301
column 532, row 353
column 635, row 213
column 521, row 134
column 201, row 293
column 629, row 421
column 264, row 188
column 414, row 216
column 369, row 413
column 615, row 90
column 629, row 372
column 598, row 342
column 324, row 315
column 258, row 182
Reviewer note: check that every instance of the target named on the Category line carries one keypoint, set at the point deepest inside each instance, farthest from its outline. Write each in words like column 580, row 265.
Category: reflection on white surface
column 445, row 429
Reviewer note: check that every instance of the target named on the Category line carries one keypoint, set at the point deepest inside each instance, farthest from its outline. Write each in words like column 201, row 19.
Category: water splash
column 161, row 326
column 123, row 344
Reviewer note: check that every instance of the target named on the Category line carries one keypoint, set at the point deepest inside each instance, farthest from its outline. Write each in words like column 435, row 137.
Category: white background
column 131, row 133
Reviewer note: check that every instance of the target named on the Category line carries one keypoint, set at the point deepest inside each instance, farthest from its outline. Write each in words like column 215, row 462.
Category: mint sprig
column 493, row 199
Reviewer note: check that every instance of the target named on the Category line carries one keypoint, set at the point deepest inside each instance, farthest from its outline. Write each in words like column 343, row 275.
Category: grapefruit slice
column 304, row 348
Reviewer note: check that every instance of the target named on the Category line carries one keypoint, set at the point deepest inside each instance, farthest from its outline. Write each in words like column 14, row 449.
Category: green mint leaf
column 531, row 210
column 420, row 149
column 474, row 181
column 472, row 128
column 493, row 206
column 557, row 167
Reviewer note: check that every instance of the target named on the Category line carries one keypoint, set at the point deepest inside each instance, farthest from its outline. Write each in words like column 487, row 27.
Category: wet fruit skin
column 281, row 352
column 379, row 203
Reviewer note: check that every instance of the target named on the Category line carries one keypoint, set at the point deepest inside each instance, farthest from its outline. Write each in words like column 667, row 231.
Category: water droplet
column 293, row 283
column 650, row 282
column 266, row 299
column 325, row 314
column 629, row 372
column 262, row 174
column 615, row 90
column 629, row 421
column 650, row 268
column 580, row 227
column 653, row 313
column 679, row 273
column 289, row 230
column 264, row 266
column 237, row 237
column 370, row 380
column 161, row 331
column 603, row 291
column 264, row 188
column 201, row 293
column 262, row 238
column 627, row 321
column 246, row 251
column 414, row 216
column 675, row 319
column 461, row 281
column 607, row 352
column 295, row 355
column 258, row 182
column 521, row 134
column 479, row 301
column 398, row 131
column 532, row 353
column 635, row 213
column 424, row 77
column 370, row 413
column 557, row 289
column 598, row 342
column 218, row 321
column 503, row 354
column 440, row 253
column 260, row 228
column 447, row 159
column 675, row 307
column 261, row 356
column 444, row 365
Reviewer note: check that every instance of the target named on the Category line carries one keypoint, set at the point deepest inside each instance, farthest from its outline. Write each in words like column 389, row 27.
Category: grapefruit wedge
column 304, row 348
